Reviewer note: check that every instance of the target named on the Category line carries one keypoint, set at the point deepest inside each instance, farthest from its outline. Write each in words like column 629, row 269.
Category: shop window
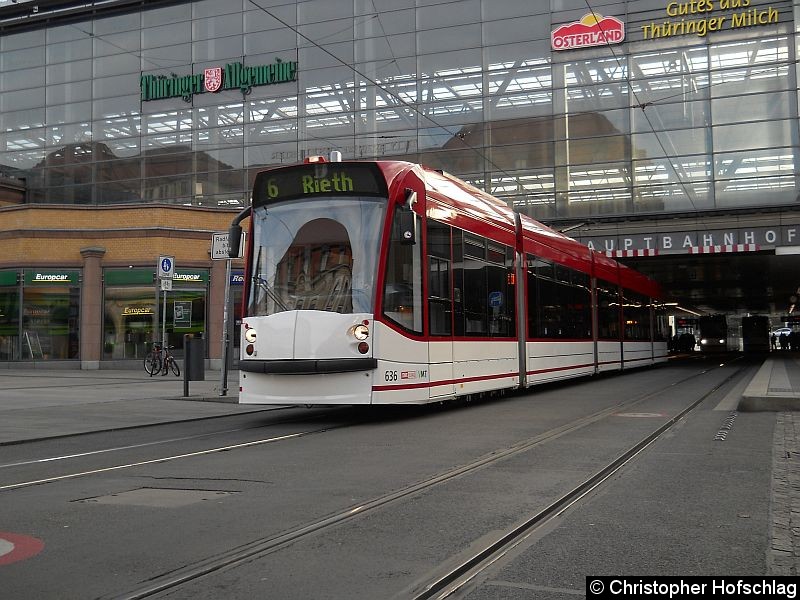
column 129, row 324
column 50, row 323
column 9, row 324
column 186, row 314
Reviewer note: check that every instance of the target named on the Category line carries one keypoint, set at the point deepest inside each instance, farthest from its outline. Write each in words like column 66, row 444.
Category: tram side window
column 636, row 314
column 458, row 281
column 559, row 304
column 580, row 305
column 440, row 307
column 476, row 296
column 661, row 334
column 402, row 291
column 607, row 311
column 484, row 280
column 552, row 297
column 502, row 297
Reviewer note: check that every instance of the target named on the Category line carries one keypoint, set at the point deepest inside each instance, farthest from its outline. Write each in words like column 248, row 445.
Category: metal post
column 164, row 323
column 223, row 391
column 187, row 357
column 157, row 315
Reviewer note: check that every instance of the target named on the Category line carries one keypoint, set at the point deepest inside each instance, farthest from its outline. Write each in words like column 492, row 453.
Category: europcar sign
column 230, row 77
column 592, row 30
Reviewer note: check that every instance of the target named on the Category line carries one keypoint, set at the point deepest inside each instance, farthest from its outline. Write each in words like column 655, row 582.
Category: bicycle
column 170, row 363
column 153, row 360
column 161, row 361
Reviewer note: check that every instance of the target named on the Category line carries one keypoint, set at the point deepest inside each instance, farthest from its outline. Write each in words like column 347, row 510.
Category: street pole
column 156, row 316
column 164, row 323
column 223, row 391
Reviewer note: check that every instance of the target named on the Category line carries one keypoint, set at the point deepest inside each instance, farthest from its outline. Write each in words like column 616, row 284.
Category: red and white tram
column 390, row 283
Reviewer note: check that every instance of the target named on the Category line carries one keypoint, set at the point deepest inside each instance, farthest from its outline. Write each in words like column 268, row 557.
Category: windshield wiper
column 264, row 285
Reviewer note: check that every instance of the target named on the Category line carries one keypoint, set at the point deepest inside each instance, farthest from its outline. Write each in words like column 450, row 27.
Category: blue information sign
column 166, row 267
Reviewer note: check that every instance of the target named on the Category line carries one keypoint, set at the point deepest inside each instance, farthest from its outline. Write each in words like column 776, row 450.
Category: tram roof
column 475, row 205
column 538, row 238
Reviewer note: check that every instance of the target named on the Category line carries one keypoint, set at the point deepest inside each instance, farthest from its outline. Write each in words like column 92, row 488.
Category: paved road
column 697, row 502
column 36, row 404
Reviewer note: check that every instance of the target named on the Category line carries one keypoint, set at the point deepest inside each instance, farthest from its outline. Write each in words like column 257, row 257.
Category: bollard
column 194, row 368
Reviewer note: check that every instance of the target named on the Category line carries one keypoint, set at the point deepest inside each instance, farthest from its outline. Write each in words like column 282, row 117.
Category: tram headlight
column 250, row 335
column 360, row 332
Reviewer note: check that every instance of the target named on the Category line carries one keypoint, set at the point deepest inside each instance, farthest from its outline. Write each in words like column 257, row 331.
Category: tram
column 755, row 334
column 713, row 333
column 391, row 283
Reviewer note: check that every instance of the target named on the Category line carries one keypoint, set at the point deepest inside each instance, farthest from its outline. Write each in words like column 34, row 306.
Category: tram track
column 492, row 554
column 174, row 440
column 456, row 578
column 225, row 448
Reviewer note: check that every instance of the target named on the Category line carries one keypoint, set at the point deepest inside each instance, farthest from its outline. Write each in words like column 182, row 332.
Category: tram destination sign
column 214, row 79
column 318, row 179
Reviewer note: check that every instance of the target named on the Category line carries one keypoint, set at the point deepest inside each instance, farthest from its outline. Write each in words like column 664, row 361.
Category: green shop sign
column 8, row 278
column 230, row 77
column 190, row 277
column 52, row 277
column 129, row 276
column 148, row 277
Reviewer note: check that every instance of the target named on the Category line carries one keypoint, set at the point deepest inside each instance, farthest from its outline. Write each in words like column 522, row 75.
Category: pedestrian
column 774, row 340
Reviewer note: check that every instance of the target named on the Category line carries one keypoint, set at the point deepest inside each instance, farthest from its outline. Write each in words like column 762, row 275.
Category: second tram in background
column 755, row 334
column 713, row 333
column 386, row 282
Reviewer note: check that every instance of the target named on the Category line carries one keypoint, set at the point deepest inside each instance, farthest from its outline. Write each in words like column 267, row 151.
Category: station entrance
column 736, row 285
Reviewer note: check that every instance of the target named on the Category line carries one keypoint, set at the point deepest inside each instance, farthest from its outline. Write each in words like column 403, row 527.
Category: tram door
column 440, row 357
column 440, row 310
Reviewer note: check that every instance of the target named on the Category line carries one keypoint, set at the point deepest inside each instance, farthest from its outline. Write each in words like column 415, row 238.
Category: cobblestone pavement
column 784, row 555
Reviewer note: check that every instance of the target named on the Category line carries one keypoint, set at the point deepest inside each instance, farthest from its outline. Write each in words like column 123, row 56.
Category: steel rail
column 269, row 544
column 468, row 570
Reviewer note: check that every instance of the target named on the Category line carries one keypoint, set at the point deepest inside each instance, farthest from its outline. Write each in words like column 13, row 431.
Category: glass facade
column 693, row 111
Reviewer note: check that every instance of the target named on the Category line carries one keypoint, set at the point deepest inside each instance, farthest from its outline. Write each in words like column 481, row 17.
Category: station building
column 662, row 132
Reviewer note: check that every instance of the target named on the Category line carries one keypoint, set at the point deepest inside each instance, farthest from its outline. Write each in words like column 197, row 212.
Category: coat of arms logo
column 212, row 79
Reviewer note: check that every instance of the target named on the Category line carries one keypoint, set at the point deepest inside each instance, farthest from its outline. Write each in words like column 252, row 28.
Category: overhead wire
column 459, row 134
column 411, row 106
column 688, row 193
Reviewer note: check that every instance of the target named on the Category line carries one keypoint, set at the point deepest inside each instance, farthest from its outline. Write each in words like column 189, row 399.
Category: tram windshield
column 316, row 254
